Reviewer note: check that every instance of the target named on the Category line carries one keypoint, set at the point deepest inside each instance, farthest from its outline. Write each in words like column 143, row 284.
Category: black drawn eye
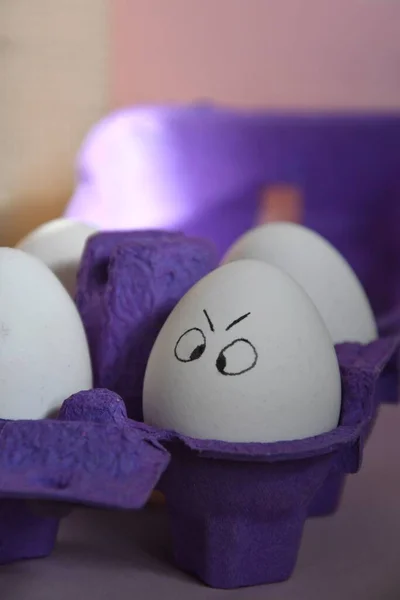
column 190, row 346
column 237, row 358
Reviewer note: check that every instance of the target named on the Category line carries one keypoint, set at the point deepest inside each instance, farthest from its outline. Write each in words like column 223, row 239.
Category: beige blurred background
column 65, row 63
column 54, row 83
column 281, row 53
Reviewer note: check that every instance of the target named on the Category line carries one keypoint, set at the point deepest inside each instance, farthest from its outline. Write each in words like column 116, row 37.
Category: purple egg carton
column 202, row 169
column 128, row 284
column 237, row 511
column 121, row 297
column 252, row 499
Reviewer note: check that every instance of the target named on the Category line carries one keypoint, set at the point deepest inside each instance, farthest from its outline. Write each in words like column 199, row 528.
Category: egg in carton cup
column 238, row 510
column 284, row 410
column 45, row 334
column 336, row 471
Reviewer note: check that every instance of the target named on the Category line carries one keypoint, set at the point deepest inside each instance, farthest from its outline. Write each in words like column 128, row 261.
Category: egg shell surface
column 320, row 269
column 59, row 244
column 244, row 357
column 44, row 350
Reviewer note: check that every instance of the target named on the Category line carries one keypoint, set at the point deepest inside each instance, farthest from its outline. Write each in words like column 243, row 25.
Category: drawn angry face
column 235, row 358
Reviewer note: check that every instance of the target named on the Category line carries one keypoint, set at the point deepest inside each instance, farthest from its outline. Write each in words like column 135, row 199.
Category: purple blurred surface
column 201, row 169
column 127, row 285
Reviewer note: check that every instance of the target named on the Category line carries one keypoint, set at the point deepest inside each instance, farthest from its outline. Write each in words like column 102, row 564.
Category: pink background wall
column 283, row 53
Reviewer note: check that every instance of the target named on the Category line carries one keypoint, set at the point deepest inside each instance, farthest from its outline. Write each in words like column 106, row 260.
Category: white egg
column 320, row 269
column 44, row 354
column 244, row 357
column 60, row 245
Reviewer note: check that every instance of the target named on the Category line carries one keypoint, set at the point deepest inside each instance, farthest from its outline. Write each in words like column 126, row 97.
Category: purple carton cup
column 128, row 283
column 24, row 534
column 238, row 510
column 90, row 455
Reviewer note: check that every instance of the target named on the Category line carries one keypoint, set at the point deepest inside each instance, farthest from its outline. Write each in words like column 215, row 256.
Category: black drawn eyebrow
column 236, row 321
column 209, row 321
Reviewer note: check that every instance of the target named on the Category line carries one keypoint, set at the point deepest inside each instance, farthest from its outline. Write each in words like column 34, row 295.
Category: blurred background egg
column 59, row 244
column 44, row 355
column 244, row 357
column 320, row 269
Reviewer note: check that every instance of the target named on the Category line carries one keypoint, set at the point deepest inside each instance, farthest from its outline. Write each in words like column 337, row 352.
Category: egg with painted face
column 322, row 272
column 244, row 357
column 59, row 244
column 44, row 353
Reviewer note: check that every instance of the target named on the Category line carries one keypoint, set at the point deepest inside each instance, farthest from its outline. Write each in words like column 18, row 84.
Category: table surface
column 112, row 555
